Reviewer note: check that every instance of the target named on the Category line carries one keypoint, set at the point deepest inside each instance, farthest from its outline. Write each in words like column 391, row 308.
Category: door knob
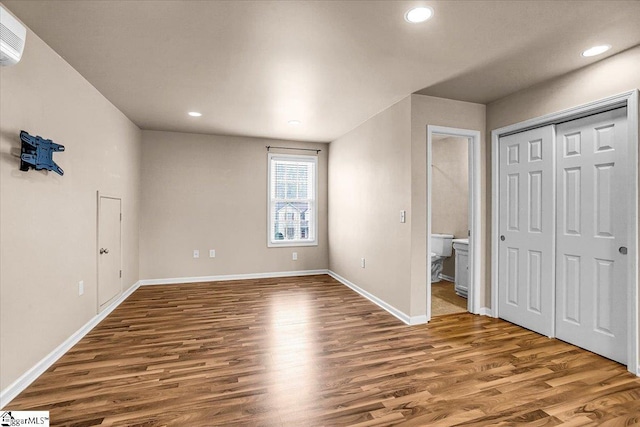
column 104, row 251
column 623, row 250
column 502, row 237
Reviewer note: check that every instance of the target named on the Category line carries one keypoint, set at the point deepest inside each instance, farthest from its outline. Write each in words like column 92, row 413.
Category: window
column 292, row 200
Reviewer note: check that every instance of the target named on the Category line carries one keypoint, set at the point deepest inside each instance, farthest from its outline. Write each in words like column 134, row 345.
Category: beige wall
column 210, row 192
column 428, row 110
column 369, row 184
column 611, row 76
column 48, row 222
column 605, row 78
column 196, row 195
column 375, row 171
column 450, row 191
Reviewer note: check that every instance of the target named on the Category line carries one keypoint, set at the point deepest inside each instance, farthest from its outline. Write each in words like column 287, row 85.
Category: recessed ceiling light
column 596, row 50
column 194, row 114
column 418, row 14
column 294, row 122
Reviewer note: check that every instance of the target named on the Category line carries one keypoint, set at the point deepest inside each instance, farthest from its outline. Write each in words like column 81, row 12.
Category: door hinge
column 121, row 274
column 120, row 217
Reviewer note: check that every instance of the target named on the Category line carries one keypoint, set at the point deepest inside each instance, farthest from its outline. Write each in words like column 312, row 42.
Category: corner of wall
column 51, row 220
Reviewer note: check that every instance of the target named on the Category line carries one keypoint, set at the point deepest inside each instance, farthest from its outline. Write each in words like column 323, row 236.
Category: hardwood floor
column 444, row 299
column 310, row 352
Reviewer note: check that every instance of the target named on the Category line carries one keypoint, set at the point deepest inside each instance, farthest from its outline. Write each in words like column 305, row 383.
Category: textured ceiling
column 251, row 66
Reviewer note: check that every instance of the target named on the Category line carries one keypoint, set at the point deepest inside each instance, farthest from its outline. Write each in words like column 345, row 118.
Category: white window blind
column 292, row 200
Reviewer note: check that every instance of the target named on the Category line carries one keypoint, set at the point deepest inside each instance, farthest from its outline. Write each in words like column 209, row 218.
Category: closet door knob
column 502, row 237
column 623, row 250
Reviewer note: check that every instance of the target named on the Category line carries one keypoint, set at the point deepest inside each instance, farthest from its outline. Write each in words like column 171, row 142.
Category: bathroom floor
column 444, row 299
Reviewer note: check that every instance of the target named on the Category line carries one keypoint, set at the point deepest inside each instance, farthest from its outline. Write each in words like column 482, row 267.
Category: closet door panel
column 591, row 283
column 526, row 250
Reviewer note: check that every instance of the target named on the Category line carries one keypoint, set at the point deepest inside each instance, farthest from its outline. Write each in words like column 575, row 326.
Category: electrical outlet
column 196, row 253
column 294, row 256
column 403, row 216
column 362, row 263
column 80, row 287
column 212, row 253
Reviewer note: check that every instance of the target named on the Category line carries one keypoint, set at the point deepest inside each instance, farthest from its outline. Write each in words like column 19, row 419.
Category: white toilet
column 441, row 248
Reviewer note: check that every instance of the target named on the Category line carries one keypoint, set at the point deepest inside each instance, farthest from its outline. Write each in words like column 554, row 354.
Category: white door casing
column 475, row 218
column 591, row 271
column 109, row 250
column 526, row 246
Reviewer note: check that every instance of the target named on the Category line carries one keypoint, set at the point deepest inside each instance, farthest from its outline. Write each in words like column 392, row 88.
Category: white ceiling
column 251, row 66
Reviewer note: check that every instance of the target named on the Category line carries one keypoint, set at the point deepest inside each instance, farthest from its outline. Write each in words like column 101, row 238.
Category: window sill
column 290, row 244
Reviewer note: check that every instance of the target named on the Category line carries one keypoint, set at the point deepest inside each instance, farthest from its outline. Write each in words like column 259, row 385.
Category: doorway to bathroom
column 453, row 217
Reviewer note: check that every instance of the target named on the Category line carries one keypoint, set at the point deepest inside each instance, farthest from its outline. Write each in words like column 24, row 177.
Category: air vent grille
column 10, row 38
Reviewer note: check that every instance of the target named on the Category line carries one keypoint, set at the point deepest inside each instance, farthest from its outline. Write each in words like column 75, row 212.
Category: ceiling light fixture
column 194, row 114
column 294, row 122
column 596, row 50
column 418, row 14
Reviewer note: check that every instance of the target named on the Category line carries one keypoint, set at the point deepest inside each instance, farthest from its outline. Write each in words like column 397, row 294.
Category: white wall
column 210, row 192
column 48, row 222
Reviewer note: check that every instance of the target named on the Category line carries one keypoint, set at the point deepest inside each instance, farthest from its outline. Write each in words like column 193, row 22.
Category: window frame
column 271, row 158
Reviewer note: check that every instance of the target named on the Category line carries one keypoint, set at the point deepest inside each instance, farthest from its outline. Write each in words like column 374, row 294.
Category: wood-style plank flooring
column 444, row 299
column 308, row 351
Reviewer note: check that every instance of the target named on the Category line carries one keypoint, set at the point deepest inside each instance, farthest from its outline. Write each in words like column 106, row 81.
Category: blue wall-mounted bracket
column 37, row 153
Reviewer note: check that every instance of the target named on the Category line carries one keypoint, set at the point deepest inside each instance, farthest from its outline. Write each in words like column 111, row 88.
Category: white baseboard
column 9, row 393
column 447, row 278
column 415, row 320
column 15, row 388
column 200, row 279
column 485, row 311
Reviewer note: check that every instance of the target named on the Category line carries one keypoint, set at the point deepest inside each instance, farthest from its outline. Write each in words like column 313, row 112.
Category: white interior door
column 592, row 224
column 526, row 246
column 109, row 250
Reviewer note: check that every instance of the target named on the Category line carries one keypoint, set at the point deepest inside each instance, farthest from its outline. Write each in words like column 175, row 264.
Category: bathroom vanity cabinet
column 461, row 248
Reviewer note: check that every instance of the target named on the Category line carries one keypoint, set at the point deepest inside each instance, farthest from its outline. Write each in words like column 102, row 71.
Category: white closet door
column 527, row 219
column 591, row 282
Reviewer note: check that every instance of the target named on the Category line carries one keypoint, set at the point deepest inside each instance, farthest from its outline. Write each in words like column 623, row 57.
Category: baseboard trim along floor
column 415, row 320
column 14, row 389
column 220, row 278
column 9, row 393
